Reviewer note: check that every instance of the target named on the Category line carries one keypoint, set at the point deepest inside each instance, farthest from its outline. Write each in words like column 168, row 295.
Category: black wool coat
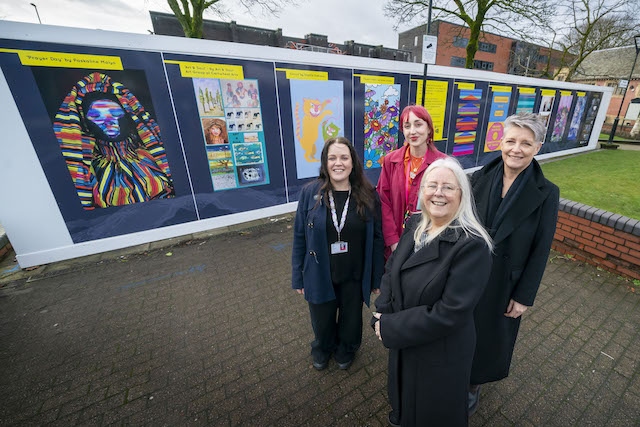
column 522, row 244
column 427, row 300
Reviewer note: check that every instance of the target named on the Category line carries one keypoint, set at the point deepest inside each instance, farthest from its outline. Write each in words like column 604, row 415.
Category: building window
column 487, row 47
column 415, row 41
column 483, row 65
column 456, row 61
column 460, row 41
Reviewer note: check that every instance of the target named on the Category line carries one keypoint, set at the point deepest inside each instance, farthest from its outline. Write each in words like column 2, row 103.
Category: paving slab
column 208, row 332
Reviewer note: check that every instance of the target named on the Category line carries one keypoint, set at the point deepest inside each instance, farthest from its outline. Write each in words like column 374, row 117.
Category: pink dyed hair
column 421, row 113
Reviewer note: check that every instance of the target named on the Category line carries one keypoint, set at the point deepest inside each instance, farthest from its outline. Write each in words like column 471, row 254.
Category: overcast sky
column 360, row 20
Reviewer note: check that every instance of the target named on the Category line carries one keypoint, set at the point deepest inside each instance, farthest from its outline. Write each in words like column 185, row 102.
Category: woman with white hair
column 425, row 309
column 519, row 208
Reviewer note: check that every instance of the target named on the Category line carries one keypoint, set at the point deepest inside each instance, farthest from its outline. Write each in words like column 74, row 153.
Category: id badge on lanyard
column 339, row 247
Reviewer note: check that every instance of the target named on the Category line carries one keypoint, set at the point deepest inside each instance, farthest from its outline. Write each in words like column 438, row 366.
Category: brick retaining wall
column 598, row 237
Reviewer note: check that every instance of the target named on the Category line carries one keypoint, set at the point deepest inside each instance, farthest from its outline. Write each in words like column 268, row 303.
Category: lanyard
column 334, row 216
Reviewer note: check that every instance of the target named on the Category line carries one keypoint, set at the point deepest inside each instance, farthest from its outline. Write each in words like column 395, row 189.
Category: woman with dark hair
column 402, row 171
column 337, row 258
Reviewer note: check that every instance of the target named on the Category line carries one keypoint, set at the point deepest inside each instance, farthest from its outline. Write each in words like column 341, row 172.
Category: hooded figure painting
column 111, row 145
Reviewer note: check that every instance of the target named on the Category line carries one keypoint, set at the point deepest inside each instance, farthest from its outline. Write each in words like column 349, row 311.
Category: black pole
column 614, row 126
column 424, row 73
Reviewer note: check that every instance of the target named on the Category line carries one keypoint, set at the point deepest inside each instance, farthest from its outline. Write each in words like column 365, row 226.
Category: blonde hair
column 465, row 216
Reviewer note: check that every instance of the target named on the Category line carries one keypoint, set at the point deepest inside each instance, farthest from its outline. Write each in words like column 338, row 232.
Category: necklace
column 415, row 163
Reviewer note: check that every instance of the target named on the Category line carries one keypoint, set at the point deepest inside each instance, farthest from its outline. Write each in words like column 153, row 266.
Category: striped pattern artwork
column 467, row 122
column 112, row 173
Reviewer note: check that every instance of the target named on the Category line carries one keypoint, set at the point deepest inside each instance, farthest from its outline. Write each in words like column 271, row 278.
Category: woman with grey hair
column 424, row 312
column 519, row 208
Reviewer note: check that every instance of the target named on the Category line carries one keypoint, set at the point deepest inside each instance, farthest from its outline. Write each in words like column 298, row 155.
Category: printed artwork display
column 576, row 119
column 467, row 119
column 112, row 146
column 590, row 118
column 318, row 114
column 562, row 116
column 436, row 103
column 500, row 99
column 546, row 105
column 526, row 100
column 232, row 125
column 381, row 116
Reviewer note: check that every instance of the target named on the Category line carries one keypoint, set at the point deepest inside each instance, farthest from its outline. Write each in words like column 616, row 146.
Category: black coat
column 427, row 300
column 522, row 244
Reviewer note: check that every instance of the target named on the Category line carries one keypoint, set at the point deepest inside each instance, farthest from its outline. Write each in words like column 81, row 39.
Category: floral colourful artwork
column 381, row 115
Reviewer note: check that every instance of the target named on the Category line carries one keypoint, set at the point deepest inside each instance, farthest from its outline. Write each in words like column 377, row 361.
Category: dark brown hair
column 361, row 188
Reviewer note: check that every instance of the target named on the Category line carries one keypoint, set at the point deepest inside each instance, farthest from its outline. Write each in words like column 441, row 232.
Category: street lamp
column 36, row 8
column 636, row 40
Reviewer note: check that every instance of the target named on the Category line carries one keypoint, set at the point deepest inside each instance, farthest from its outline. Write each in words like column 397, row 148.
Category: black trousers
column 337, row 324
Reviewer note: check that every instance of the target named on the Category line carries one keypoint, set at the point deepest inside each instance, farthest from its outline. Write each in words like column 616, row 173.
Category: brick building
column 495, row 53
column 167, row 24
column 606, row 68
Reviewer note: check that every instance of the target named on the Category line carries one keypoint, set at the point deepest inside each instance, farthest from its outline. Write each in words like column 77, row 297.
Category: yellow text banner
column 304, row 74
column 203, row 70
column 375, row 80
column 35, row 58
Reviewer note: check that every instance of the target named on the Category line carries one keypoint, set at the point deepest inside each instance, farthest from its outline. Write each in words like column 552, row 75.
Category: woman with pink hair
column 402, row 171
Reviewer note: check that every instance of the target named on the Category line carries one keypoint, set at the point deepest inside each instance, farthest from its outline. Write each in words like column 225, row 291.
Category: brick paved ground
column 213, row 335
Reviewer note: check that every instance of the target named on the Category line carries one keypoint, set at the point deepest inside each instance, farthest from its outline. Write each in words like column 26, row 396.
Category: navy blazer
column 310, row 257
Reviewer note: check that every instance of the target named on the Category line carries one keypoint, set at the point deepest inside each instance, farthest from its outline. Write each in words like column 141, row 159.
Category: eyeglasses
column 445, row 189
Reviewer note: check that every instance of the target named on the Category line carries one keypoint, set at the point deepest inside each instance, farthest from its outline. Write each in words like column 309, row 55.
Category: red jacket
column 391, row 188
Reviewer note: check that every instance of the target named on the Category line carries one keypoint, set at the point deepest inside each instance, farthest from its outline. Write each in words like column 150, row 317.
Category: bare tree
column 596, row 25
column 506, row 17
column 190, row 12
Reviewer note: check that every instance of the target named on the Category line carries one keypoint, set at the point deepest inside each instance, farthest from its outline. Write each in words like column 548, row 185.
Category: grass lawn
column 606, row 179
column 605, row 137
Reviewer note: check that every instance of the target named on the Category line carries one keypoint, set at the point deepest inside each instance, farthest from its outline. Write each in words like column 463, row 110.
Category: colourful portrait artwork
column 576, row 120
column 215, row 131
column 209, row 97
column 501, row 97
column 111, row 145
column 318, row 114
column 381, row 115
column 467, row 121
column 562, row 116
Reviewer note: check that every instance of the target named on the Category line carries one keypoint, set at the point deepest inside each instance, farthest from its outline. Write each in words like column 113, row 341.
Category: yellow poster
column 435, row 103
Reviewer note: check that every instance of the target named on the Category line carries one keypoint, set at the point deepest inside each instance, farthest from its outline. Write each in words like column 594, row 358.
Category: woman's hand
column 377, row 325
column 515, row 309
column 394, row 246
column 300, row 291
column 375, row 291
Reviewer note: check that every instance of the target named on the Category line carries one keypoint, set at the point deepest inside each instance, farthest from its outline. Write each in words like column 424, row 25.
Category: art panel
column 578, row 114
column 562, row 116
column 231, row 142
column 381, row 117
column 526, row 100
column 318, row 115
column 104, row 136
column 500, row 101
